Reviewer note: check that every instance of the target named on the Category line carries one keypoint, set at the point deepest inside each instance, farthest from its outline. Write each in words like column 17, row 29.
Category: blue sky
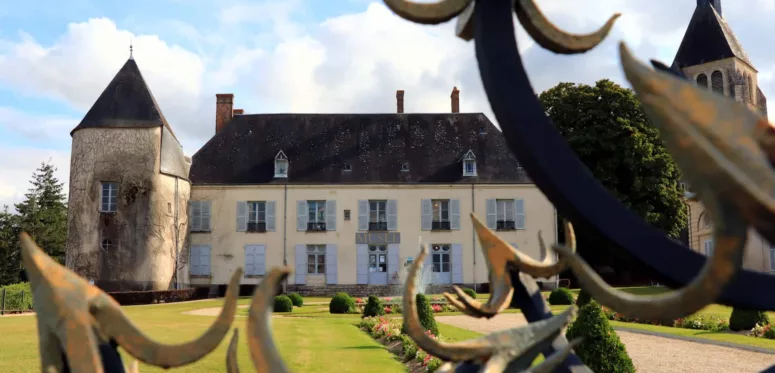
column 289, row 56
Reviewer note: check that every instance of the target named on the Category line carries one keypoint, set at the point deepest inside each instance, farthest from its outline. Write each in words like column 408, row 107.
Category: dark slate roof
column 708, row 38
column 125, row 103
column 374, row 145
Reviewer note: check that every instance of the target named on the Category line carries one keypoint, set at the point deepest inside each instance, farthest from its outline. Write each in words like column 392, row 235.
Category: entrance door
column 378, row 265
column 441, row 267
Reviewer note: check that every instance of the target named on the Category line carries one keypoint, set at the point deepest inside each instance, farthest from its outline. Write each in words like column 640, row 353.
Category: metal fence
column 15, row 299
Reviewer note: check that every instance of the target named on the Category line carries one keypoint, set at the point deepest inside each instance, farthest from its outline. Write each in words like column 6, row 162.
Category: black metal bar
column 568, row 184
column 2, row 304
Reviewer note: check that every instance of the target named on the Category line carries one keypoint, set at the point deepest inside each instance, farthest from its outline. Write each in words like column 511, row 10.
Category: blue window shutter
column 330, row 216
column 205, row 260
column 195, row 216
column 519, row 213
column 193, row 260
column 301, row 264
column 205, row 220
column 363, row 215
column 454, row 214
column 426, row 213
column 491, row 214
column 393, row 258
column 260, row 263
column 270, row 216
column 302, row 215
column 250, row 260
column 331, row 275
column 391, row 212
column 457, row 263
column 242, row 216
column 362, row 258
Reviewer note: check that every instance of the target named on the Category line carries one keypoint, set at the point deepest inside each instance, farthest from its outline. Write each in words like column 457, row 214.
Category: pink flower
column 388, row 299
column 388, row 310
column 436, row 308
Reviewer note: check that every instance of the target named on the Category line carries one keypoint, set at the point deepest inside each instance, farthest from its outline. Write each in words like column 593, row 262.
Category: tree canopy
column 606, row 126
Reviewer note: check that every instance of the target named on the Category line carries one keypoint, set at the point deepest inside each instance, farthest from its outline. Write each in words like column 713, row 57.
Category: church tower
column 713, row 58
column 129, row 191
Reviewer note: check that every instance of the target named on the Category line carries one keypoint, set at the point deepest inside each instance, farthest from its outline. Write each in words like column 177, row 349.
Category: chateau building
column 341, row 199
column 712, row 57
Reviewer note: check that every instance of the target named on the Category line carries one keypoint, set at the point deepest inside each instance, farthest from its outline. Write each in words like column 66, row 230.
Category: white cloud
column 348, row 63
column 16, row 174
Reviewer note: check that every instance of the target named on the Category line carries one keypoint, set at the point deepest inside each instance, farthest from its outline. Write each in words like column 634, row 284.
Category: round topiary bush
column 743, row 319
column 561, row 297
column 583, row 299
column 297, row 300
column 373, row 307
column 470, row 292
column 282, row 304
column 425, row 312
column 601, row 349
column 341, row 303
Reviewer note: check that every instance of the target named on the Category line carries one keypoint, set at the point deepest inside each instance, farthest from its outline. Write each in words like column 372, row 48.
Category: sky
column 281, row 56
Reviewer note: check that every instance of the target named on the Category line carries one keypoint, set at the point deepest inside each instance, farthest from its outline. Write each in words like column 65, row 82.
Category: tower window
column 702, row 80
column 717, row 82
column 281, row 165
column 106, row 245
column 109, row 196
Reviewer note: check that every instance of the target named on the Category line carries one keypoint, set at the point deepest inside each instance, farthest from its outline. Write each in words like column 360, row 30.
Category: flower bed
column 763, row 331
column 697, row 322
column 395, row 305
column 388, row 332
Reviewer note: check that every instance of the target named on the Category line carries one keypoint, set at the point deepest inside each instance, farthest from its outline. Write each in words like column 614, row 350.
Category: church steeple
column 715, row 3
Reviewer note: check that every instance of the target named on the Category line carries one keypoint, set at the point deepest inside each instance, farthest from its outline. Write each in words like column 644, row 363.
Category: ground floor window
column 316, row 259
column 707, row 246
column 440, row 253
column 377, row 258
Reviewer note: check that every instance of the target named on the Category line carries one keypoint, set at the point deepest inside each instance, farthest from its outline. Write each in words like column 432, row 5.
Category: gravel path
column 651, row 354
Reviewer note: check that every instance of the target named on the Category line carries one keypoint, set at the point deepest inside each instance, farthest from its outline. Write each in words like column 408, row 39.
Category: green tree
column 43, row 213
column 9, row 248
column 606, row 126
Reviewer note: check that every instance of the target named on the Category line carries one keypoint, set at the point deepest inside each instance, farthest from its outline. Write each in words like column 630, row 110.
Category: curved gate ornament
column 723, row 148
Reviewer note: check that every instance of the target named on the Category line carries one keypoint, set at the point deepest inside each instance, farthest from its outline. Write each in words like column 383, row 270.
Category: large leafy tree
column 43, row 213
column 607, row 128
column 9, row 247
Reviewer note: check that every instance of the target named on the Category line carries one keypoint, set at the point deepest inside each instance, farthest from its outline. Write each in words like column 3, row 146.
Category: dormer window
column 405, row 167
column 347, row 167
column 281, row 165
column 469, row 164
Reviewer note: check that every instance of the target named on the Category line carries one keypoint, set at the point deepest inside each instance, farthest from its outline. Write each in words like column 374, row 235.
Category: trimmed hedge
column 282, row 304
column 18, row 298
column 129, row 298
column 561, row 297
column 470, row 292
column 425, row 313
column 601, row 349
column 373, row 307
column 297, row 300
column 583, row 299
column 341, row 303
column 743, row 319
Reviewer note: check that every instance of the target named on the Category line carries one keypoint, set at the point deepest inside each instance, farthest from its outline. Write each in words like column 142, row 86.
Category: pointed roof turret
column 125, row 103
column 708, row 38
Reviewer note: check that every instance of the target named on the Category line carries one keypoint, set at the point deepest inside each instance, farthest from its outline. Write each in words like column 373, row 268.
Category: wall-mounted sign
column 377, row 238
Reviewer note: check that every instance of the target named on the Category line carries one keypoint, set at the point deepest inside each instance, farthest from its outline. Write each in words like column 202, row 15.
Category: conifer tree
column 9, row 248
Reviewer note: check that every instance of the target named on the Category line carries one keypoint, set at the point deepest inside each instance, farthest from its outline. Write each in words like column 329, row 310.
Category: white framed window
column 504, row 214
column 377, row 215
column 377, row 258
column 440, row 214
column 316, row 259
column 440, row 256
column 281, row 165
column 256, row 216
column 200, row 216
column 109, row 196
column 707, row 246
column 316, row 219
column 469, row 164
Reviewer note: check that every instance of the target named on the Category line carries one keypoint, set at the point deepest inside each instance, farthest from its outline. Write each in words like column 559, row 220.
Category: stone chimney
column 399, row 101
column 224, row 105
column 455, row 100
column 237, row 112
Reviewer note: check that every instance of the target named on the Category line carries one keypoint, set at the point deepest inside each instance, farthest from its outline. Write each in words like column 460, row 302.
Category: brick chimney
column 455, row 100
column 399, row 101
column 224, row 105
column 237, row 112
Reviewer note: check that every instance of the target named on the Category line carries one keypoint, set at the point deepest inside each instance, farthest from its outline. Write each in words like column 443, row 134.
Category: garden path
column 650, row 354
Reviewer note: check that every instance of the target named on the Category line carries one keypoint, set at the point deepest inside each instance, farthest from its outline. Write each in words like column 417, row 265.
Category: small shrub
column 374, row 307
column 18, row 297
column 425, row 313
column 561, row 297
column 601, row 349
column 583, row 299
column 408, row 347
column 297, row 300
column 743, row 319
column 699, row 322
column 470, row 292
column 282, row 303
column 341, row 303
